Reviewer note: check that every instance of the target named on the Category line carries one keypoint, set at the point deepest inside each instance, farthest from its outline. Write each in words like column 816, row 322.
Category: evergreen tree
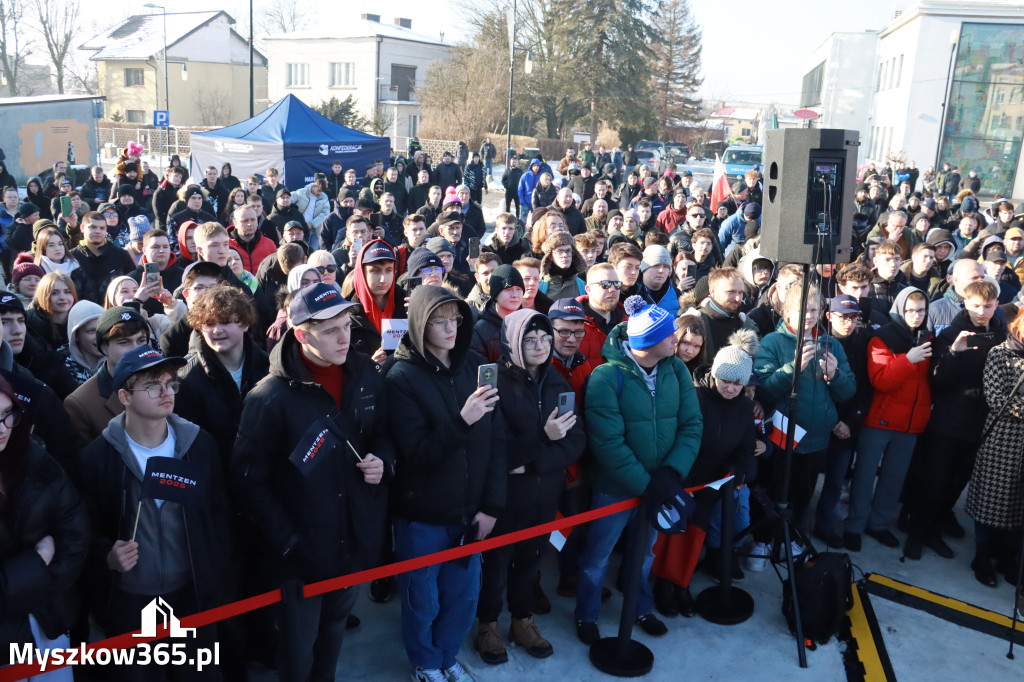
column 676, row 69
column 343, row 112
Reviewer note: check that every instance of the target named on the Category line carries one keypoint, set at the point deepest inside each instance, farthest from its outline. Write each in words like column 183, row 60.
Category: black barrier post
column 623, row 656
column 725, row 604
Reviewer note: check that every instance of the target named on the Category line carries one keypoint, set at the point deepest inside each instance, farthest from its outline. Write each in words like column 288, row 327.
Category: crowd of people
column 617, row 337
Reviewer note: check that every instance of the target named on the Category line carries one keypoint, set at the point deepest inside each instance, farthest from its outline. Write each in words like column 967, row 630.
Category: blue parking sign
column 161, row 118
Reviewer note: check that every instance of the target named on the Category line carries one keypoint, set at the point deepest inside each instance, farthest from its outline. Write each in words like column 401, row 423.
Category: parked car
column 678, row 152
column 739, row 158
column 654, row 160
column 650, row 145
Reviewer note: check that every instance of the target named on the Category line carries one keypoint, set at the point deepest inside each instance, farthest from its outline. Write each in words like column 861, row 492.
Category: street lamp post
column 167, row 101
column 527, row 69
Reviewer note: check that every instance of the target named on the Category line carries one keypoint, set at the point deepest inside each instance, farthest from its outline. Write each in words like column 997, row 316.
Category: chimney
column 404, row 23
column 370, row 17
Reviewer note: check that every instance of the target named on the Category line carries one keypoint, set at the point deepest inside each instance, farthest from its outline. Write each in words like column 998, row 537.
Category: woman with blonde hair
column 126, row 291
column 48, row 314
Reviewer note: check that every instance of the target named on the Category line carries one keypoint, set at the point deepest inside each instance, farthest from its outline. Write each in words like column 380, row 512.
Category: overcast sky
column 754, row 50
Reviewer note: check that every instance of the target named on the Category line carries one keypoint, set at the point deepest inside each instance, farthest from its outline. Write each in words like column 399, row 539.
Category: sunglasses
column 608, row 285
column 323, row 269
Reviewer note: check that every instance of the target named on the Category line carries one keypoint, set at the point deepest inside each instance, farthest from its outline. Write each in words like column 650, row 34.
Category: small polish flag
column 778, row 434
column 720, row 188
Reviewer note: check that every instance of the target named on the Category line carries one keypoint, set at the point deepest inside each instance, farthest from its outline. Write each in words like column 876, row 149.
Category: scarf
column 370, row 307
column 66, row 267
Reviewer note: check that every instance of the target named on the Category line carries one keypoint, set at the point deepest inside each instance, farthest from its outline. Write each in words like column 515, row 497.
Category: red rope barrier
column 259, row 601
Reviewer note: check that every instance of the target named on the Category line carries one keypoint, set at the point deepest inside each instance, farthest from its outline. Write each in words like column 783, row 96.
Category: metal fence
column 159, row 144
column 434, row 148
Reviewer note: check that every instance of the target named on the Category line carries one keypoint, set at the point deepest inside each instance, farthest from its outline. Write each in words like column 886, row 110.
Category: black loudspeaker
column 809, row 185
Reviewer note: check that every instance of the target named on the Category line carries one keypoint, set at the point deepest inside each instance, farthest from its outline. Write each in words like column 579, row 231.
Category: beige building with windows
column 207, row 69
column 380, row 64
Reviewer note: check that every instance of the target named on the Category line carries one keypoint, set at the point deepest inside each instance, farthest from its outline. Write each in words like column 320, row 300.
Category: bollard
column 623, row 656
column 726, row 604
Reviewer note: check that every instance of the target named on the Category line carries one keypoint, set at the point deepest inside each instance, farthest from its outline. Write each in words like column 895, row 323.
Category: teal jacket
column 631, row 432
column 816, row 409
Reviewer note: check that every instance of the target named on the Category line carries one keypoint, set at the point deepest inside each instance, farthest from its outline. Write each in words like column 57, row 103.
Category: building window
column 403, row 82
column 414, row 124
column 134, row 78
column 297, row 75
column 135, row 115
column 892, row 72
column 1000, row 96
column 342, row 74
column 881, row 75
column 745, row 132
column 899, row 71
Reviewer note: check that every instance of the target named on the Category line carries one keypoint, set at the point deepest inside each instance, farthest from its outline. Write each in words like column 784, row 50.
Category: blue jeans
column 874, row 505
column 524, row 213
column 438, row 602
column 601, row 539
column 741, row 518
column 489, row 167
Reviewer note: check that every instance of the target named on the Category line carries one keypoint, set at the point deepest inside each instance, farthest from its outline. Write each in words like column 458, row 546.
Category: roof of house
column 141, row 36
column 42, row 99
column 362, row 28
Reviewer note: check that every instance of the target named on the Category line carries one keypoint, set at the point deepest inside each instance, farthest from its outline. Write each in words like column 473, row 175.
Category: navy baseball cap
column 844, row 304
column 316, row 302
column 140, row 358
column 378, row 250
column 566, row 309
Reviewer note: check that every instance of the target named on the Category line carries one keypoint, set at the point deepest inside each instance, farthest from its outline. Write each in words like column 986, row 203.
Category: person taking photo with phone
column 548, row 439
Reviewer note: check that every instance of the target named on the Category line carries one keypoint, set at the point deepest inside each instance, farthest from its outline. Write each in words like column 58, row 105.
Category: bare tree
column 283, row 16
column 14, row 46
column 58, row 21
column 382, row 121
column 213, row 105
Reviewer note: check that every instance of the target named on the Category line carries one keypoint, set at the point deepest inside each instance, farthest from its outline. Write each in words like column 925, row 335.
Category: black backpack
column 824, row 587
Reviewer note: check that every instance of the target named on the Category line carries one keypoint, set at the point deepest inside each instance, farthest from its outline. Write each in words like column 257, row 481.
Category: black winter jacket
column 43, row 409
column 525, row 406
column 727, row 441
column 446, row 470
column 208, row 395
column 112, row 261
column 486, row 339
column 42, row 502
column 330, row 522
column 958, row 402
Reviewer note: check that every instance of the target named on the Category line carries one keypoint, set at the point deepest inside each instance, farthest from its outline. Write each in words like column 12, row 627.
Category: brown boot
column 525, row 634
column 488, row 643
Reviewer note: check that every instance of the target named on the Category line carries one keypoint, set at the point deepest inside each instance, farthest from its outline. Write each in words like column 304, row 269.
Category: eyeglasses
column 568, row 333
column 157, row 390
column 443, row 324
column 324, row 269
column 13, row 417
column 609, row 285
column 535, row 343
column 110, row 213
column 848, row 317
column 433, row 270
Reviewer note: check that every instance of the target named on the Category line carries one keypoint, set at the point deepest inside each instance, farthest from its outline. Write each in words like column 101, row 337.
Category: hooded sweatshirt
column 366, row 335
column 526, row 404
column 446, row 469
column 81, row 314
column 902, row 396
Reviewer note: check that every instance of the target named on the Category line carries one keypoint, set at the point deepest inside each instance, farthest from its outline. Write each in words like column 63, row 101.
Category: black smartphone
column 152, row 273
column 822, row 346
column 974, row 340
column 412, row 283
column 566, row 403
column 923, row 336
column 487, row 375
column 474, row 247
column 691, row 270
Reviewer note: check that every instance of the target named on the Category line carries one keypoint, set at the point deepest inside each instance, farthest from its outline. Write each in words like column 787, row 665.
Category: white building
column 946, row 84
column 379, row 64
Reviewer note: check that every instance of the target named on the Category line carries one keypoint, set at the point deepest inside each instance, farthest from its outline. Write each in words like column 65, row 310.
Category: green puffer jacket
column 630, row 432
column 816, row 410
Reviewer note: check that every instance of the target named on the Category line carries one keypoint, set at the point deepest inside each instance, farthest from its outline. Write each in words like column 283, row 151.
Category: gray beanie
column 137, row 227
column 735, row 362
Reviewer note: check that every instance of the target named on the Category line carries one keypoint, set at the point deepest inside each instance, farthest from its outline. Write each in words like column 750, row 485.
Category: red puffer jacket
column 902, row 400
